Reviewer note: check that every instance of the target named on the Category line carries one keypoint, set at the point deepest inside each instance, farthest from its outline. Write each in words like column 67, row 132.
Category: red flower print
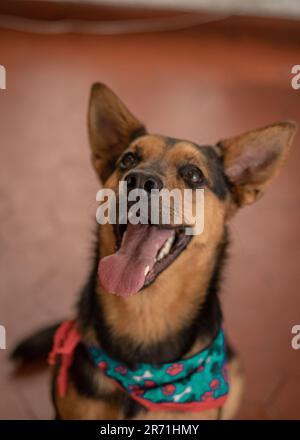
column 175, row 369
column 135, row 389
column 121, row 369
column 214, row 384
column 168, row 390
column 201, row 368
column 103, row 365
column 139, row 392
column 149, row 383
column 208, row 396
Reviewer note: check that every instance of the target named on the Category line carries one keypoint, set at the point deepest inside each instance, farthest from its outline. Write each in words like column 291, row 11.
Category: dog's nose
column 143, row 180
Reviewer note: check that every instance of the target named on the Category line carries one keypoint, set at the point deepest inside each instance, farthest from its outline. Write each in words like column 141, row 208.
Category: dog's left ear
column 111, row 129
column 252, row 160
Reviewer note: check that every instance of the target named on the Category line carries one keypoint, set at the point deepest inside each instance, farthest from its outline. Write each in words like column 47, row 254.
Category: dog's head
column 233, row 173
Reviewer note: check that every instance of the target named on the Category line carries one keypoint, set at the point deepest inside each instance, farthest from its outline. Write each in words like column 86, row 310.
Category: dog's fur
column 179, row 313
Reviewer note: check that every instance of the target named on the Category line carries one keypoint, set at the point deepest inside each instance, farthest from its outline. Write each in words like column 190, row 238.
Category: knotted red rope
column 65, row 341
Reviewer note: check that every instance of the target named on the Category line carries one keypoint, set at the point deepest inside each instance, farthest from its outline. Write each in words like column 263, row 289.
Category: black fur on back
column 36, row 346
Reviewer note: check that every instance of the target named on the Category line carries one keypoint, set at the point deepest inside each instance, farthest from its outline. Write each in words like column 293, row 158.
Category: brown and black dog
column 177, row 311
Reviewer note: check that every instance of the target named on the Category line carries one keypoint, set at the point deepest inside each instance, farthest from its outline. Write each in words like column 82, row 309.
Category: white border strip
column 273, row 8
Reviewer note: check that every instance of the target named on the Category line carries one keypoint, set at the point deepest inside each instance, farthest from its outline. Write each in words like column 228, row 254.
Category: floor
column 203, row 84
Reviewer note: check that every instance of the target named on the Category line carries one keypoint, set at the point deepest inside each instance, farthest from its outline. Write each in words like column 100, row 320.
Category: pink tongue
column 123, row 273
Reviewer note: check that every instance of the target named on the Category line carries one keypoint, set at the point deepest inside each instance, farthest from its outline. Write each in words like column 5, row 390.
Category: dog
column 144, row 316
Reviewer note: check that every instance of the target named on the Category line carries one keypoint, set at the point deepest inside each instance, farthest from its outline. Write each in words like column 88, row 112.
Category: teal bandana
column 195, row 384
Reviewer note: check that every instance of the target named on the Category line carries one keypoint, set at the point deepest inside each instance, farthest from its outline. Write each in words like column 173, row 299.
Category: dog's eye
column 192, row 175
column 128, row 161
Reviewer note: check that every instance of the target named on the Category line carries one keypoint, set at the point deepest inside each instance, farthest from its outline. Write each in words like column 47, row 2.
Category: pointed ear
column 111, row 128
column 254, row 158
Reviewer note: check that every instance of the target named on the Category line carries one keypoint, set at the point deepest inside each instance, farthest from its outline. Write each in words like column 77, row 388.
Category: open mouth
column 143, row 252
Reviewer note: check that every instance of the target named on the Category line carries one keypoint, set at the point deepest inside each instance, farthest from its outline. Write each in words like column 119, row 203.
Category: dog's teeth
column 147, row 270
column 166, row 248
column 160, row 255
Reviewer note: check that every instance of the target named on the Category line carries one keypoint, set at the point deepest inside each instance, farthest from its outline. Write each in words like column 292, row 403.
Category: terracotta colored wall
column 202, row 84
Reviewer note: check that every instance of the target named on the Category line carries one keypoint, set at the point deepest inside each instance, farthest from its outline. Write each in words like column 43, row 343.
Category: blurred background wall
column 199, row 72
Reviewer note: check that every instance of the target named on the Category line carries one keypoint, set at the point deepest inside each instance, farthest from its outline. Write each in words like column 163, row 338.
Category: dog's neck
column 162, row 323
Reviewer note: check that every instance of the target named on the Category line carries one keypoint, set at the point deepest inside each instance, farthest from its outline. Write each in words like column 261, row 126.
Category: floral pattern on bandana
column 199, row 381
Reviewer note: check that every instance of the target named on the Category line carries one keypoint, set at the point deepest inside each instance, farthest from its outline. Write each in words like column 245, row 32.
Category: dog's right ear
column 111, row 129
